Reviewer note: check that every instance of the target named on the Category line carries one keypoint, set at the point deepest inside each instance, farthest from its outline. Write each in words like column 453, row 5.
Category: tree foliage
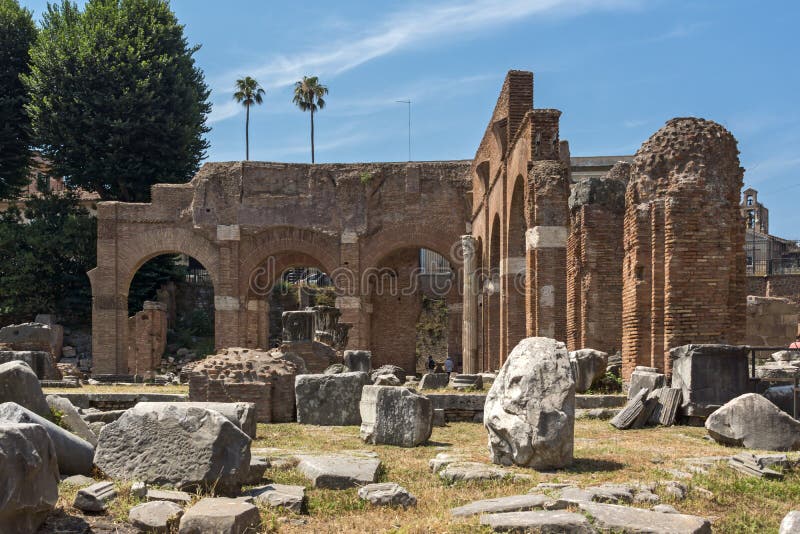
column 309, row 96
column 47, row 247
column 117, row 103
column 248, row 93
column 17, row 32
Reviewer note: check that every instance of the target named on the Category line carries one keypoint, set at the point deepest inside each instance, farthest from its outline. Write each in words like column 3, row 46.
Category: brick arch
column 286, row 243
column 138, row 249
column 383, row 243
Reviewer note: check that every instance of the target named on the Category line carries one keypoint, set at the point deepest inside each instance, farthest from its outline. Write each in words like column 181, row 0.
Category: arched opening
column 170, row 315
column 514, row 271
column 284, row 281
column 411, row 293
column 492, row 293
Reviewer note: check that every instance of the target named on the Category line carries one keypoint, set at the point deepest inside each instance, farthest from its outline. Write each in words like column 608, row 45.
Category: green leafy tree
column 47, row 247
column 248, row 92
column 17, row 33
column 117, row 103
column 309, row 96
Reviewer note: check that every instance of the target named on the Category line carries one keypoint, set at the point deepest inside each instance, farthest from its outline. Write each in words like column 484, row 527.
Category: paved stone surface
column 514, row 503
column 220, row 515
column 395, row 416
column 466, row 471
column 339, row 471
column 95, row 498
column 548, row 522
column 329, row 400
column 28, row 476
column 530, row 410
column 18, row 383
column 387, row 494
column 626, row 519
column 172, row 445
column 281, row 496
column 156, row 516
column 74, row 454
column 752, row 421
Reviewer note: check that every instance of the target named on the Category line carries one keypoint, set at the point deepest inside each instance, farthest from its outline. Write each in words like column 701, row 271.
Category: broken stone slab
column 530, row 411
column 292, row 498
column 544, row 521
column 71, row 419
column 514, row 503
column 607, row 493
column 178, row 497
column 434, row 381
column 387, row 380
column 329, row 400
column 173, row 445
column 782, row 371
column 748, row 464
column 647, row 410
column 790, row 523
column 754, row 422
column 616, row 518
column 442, row 460
column 19, row 384
column 466, row 381
column 666, row 407
column 256, row 473
column 388, row 369
column 627, row 417
column 241, row 414
column 358, row 360
column 648, row 378
column 588, row 365
column 156, row 516
column 29, row 473
column 708, row 376
column 78, row 480
column 387, row 494
column 96, row 497
column 395, row 416
column 339, row 471
column 220, row 515
column 467, row 471
column 97, row 416
column 439, row 418
column 75, row 455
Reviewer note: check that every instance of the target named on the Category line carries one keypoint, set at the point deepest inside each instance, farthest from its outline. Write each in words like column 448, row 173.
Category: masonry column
column 349, row 297
column 227, row 304
column 469, row 334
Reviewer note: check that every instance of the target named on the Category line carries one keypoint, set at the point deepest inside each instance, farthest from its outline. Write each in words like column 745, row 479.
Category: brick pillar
column 594, row 264
column 469, row 340
column 545, row 242
column 229, row 306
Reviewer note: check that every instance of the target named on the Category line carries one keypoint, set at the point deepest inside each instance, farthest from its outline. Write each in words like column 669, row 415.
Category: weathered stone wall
column 246, row 222
column 683, row 276
column 594, row 262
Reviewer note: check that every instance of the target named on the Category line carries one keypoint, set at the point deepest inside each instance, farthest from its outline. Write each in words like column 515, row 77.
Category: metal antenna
column 409, row 124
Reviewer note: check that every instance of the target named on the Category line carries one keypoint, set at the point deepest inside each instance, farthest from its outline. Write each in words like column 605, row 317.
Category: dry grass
column 122, row 388
column 602, row 454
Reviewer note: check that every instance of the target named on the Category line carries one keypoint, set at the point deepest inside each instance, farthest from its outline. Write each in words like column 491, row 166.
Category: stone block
column 541, row 521
column 220, row 515
column 74, row 454
column 177, row 497
column 514, row 503
column 29, row 489
column 616, row 518
column 155, row 517
column 648, row 378
column 587, row 366
column 387, row 494
column 339, row 471
column 708, row 376
column 434, row 381
column 292, row 498
column 241, row 414
column 395, row 416
column 466, row 381
column 19, row 384
column 39, row 361
column 329, row 400
column 95, row 498
column 439, row 418
column 358, row 360
column 71, row 419
column 298, row 326
column 754, row 422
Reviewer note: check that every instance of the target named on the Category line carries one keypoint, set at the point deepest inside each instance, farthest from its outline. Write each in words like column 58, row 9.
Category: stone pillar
column 147, row 339
column 469, row 337
column 298, row 326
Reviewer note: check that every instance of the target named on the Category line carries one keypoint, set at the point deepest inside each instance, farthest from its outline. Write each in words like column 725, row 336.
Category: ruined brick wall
column 147, row 339
column 246, row 221
column 777, row 285
column 771, row 321
column 594, row 262
column 683, row 278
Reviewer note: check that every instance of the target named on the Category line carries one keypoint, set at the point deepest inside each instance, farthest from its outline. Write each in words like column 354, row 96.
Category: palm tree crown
column 248, row 92
column 308, row 96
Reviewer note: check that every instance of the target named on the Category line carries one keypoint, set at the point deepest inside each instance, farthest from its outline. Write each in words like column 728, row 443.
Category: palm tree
column 248, row 92
column 308, row 95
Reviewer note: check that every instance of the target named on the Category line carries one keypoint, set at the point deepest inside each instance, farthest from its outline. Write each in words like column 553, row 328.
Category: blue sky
column 618, row 69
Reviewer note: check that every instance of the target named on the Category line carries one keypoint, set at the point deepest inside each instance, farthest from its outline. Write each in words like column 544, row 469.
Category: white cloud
column 405, row 29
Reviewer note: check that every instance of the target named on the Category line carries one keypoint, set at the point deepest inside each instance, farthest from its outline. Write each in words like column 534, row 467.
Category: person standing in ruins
column 431, row 364
column 448, row 365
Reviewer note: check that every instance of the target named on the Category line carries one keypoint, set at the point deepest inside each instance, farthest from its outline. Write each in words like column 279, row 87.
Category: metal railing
column 772, row 267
